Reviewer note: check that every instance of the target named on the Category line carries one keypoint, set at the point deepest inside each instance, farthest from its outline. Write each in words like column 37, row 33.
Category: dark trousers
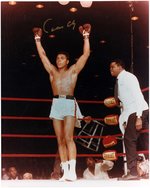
column 131, row 139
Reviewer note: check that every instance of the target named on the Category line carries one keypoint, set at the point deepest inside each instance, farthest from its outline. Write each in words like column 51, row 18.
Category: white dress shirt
column 99, row 173
column 131, row 97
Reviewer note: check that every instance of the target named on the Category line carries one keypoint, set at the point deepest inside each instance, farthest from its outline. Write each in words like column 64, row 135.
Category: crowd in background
column 91, row 169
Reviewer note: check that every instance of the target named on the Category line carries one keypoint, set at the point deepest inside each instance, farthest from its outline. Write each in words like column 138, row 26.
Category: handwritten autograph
column 48, row 24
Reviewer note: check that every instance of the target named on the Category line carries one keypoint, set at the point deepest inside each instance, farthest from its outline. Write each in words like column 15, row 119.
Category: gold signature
column 48, row 24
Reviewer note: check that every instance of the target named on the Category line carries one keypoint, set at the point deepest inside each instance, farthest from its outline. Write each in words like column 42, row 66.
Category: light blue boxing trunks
column 64, row 105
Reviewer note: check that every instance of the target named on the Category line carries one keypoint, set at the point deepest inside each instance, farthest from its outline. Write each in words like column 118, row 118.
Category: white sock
column 64, row 166
column 65, row 169
column 72, row 166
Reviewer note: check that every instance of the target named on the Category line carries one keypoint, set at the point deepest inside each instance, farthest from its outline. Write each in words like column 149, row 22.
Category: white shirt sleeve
column 130, row 94
column 86, row 174
column 110, row 164
column 134, row 87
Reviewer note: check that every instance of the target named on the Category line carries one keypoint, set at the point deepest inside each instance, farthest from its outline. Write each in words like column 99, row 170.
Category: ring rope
column 56, row 155
column 54, row 136
column 50, row 100
column 46, row 100
column 25, row 118
column 38, row 118
column 145, row 89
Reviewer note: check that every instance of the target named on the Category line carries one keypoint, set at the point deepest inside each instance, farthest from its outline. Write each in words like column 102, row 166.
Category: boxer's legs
column 69, row 123
column 59, row 131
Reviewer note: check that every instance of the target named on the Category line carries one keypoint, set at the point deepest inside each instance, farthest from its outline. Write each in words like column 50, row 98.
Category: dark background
column 23, row 75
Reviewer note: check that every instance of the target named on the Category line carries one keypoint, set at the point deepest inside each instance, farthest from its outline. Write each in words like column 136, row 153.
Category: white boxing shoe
column 64, row 166
column 71, row 177
column 63, row 178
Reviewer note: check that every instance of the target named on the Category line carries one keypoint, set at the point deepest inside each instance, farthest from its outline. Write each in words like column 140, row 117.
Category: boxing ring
column 83, row 134
column 78, row 183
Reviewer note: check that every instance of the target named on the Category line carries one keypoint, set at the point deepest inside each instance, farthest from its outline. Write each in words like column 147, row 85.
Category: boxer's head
column 62, row 59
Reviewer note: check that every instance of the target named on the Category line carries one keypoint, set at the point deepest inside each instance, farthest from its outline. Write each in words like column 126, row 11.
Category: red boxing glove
column 109, row 141
column 87, row 119
column 85, row 29
column 37, row 32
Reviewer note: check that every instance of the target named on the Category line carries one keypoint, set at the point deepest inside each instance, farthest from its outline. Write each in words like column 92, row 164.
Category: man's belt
column 64, row 96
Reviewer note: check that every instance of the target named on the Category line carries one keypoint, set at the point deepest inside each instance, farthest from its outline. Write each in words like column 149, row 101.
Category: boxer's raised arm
column 46, row 63
column 85, row 31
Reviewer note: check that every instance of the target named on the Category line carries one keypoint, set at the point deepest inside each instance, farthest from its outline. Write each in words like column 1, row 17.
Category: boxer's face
column 61, row 61
column 115, row 69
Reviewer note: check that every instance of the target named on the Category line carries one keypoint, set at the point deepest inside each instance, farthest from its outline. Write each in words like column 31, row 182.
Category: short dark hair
column 64, row 53
column 119, row 62
column 90, row 158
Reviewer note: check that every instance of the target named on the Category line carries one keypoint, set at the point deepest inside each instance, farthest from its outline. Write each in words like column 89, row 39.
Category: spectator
column 4, row 174
column 13, row 174
column 143, row 167
column 97, row 170
column 27, row 176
